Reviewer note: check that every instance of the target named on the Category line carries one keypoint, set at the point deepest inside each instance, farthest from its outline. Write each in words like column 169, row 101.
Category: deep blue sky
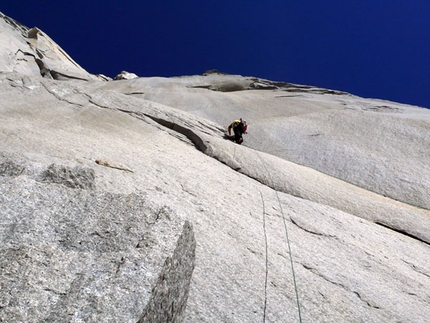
column 371, row 48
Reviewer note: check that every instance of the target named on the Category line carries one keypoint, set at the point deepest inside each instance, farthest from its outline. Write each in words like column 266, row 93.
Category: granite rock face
column 29, row 51
column 78, row 255
column 76, row 177
column 121, row 201
column 378, row 145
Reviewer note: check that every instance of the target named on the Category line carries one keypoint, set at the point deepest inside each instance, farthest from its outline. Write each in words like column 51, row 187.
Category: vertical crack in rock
column 44, row 71
column 170, row 293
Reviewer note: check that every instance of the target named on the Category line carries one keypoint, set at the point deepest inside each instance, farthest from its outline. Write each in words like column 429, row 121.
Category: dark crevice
column 365, row 301
column 191, row 135
column 288, row 96
column 61, row 76
column 134, row 93
column 207, row 87
column 195, row 139
column 52, row 74
column 25, row 53
column 310, row 231
column 403, row 232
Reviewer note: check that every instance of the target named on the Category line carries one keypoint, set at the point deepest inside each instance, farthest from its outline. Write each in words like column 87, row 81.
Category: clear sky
column 371, row 48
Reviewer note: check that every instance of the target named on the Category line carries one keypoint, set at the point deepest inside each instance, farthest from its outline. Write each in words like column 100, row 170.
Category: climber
column 239, row 127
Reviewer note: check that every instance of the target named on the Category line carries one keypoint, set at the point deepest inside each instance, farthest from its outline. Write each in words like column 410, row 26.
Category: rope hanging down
column 286, row 236
column 267, row 258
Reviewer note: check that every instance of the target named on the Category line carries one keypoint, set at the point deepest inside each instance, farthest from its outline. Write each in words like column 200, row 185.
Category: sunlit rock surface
column 121, row 201
column 29, row 51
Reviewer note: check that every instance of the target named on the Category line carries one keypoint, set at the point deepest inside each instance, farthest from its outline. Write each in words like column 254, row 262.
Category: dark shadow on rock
column 231, row 138
column 170, row 293
column 226, row 136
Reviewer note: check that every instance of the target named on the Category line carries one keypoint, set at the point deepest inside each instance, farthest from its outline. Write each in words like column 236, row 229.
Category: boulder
column 124, row 75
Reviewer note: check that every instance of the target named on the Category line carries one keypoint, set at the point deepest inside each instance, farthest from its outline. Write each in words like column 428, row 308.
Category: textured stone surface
column 75, row 177
column 10, row 168
column 31, row 52
column 170, row 294
column 381, row 146
column 321, row 215
column 68, row 255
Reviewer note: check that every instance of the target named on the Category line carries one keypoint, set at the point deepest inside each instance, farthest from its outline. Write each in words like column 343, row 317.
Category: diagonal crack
column 403, row 232
column 346, row 288
column 60, row 97
column 311, row 231
column 416, row 268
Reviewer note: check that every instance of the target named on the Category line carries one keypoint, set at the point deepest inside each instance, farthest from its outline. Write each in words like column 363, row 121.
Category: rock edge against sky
column 121, row 201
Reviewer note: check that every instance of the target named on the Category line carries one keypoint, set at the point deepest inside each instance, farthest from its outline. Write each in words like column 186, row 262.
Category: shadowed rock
column 170, row 293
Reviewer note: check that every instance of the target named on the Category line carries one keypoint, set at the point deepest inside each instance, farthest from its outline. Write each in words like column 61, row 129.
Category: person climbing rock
column 239, row 128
